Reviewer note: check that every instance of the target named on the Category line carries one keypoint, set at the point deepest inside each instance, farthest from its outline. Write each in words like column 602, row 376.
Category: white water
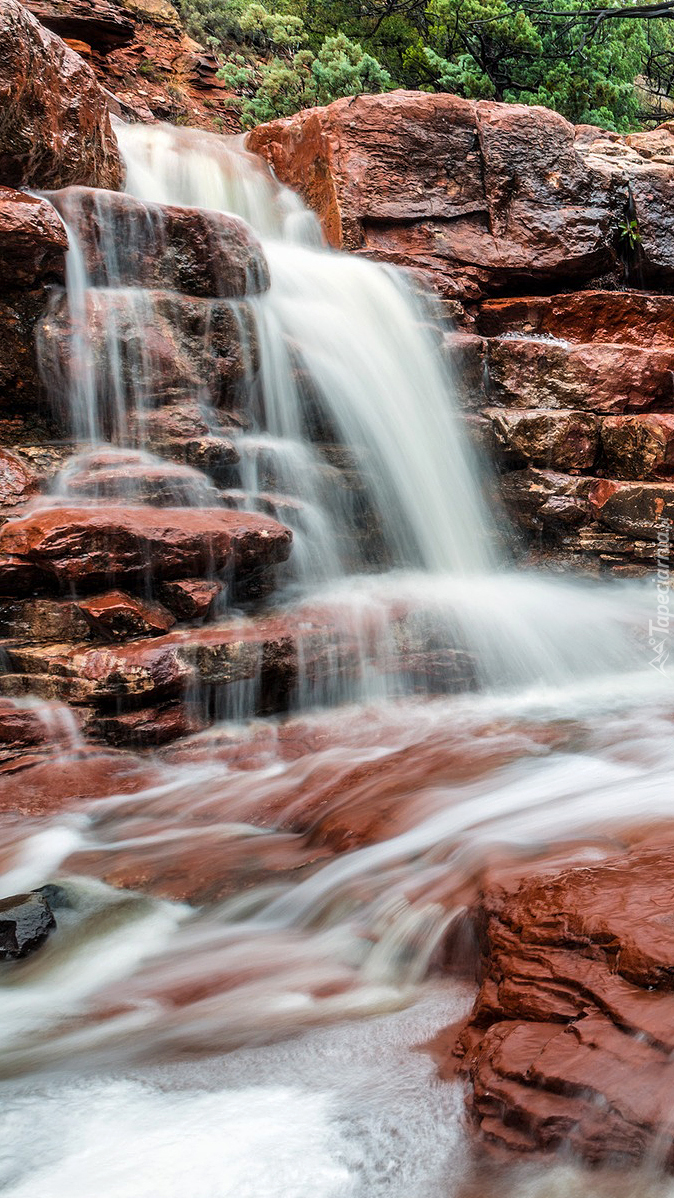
column 553, row 754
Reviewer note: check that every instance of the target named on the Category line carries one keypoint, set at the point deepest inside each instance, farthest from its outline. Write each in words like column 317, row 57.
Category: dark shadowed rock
column 98, row 23
column 55, row 128
column 190, row 598
column 25, row 923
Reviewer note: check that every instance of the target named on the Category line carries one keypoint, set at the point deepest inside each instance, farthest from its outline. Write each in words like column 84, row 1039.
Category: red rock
column 476, row 194
column 163, row 74
column 17, row 481
column 190, row 598
column 21, row 725
column 116, row 616
column 55, row 127
column 195, row 345
column 634, row 318
column 98, row 23
column 33, row 242
column 537, row 373
column 45, row 784
column 192, row 250
column 96, row 546
column 149, row 671
column 147, row 728
column 570, row 1040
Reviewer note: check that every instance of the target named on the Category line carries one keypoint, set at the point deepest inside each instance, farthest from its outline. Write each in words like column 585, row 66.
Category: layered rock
column 91, row 547
column 140, row 52
column 570, row 1039
column 55, row 127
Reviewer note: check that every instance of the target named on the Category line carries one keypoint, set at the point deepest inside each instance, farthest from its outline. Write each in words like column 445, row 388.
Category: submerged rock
column 25, row 923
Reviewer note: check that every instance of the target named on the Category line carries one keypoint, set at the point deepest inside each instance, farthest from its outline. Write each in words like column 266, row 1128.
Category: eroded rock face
column 98, row 23
column 92, row 547
column 55, row 127
column 570, row 1039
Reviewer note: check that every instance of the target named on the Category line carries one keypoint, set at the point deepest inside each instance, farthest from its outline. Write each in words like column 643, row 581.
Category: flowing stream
column 201, row 1032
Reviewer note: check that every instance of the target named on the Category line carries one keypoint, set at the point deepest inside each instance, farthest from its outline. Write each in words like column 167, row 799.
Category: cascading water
column 345, row 428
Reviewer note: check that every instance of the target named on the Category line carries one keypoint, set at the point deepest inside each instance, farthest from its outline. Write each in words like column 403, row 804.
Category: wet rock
column 476, row 194
column 25, row 923
column 558, row 440
column 43, row 620
column 55, row 126
column 569, row 1043
column 262, row 652
column 545, row 498
column 527, row 372
column 17, row 481
column 147, row 728
column 20, row 726
column 97, row 23
column 192, row 250
column 94, row 547
column 633, row 318
column 117, row 617
column 193, row 347
column 638, row 447
column 190, row 598
column 633, row 508
column 33, row 242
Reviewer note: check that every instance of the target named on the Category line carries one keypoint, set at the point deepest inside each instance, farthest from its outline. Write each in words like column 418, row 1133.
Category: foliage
column 608, row 66
column 284, row 85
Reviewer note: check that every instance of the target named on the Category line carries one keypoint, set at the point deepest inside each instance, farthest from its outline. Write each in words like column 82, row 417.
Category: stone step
column 635, row 318
column 92, row 548
column 130, row 243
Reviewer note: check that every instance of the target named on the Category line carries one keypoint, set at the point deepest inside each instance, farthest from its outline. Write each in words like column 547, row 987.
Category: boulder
column 478, row 195
column 634, row 508
column 25, row 923
column 33, row 242
column 92, row 547
column 55, row 127
column 147, row 672
column 192, row 250
column 634, row 318
column 539, row 372
column 190, row 598
column 570, row 1040
column 119, row 617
